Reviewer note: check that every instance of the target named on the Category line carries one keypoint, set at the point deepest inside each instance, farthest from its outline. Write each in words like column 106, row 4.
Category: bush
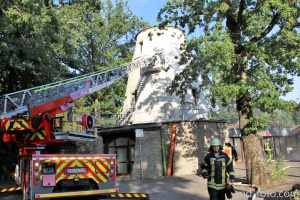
column 278, row 172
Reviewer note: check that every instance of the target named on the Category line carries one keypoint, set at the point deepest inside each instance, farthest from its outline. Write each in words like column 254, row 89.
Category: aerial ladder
column 32, row 119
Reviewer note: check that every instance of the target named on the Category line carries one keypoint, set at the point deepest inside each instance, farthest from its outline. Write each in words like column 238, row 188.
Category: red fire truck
column 33, row 119
column 65, row 175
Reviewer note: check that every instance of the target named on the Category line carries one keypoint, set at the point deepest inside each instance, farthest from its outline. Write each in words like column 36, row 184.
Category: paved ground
column 193, row 187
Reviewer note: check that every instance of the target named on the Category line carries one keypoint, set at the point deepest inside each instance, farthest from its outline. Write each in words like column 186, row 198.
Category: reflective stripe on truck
column 10, row 189
column 75, row 194
column 129, row 195
column 97, row 169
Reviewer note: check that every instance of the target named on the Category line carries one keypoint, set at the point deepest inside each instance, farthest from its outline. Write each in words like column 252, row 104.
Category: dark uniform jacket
column 217, row 169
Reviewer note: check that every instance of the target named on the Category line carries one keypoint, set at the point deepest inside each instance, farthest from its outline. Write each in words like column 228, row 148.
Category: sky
column 148, row 10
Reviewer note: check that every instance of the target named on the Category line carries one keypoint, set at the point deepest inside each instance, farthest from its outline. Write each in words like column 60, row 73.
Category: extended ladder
column 34, row 100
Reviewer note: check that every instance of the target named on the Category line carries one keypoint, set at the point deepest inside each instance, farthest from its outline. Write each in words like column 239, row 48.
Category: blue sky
column 148, row 10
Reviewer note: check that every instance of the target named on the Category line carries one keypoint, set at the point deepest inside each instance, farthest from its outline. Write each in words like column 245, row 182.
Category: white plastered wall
column 146, row 88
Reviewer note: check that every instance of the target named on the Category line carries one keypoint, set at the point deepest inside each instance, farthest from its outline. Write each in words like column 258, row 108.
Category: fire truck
column 36, row 120
column 46, row 176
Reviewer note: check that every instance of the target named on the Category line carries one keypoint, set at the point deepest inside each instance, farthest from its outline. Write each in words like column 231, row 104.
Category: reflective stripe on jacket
column 228, row 151
column 267, row 146
column 218, row 169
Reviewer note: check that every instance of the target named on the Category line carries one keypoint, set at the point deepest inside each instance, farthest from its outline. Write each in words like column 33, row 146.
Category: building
column 143, row 138
column 146, row 97
column 146, row 154
column 284, row 141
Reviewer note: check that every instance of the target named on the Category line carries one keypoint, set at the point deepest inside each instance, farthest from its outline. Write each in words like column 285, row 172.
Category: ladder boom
column 51, row 99
column 59, row 94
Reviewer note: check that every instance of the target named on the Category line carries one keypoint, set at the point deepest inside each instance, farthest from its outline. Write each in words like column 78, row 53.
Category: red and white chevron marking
column 130, row 195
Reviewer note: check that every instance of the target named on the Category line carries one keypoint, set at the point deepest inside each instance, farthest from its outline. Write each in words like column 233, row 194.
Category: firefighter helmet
column 215, row 142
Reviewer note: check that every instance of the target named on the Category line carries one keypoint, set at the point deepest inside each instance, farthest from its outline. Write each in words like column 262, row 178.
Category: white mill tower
column 146, row 96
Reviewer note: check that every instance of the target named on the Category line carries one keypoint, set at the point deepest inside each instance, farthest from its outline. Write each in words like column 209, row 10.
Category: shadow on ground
column 168, row 188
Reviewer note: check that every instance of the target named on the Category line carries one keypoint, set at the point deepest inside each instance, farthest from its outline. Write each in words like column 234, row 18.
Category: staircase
column 123, row 116
column 153, row 64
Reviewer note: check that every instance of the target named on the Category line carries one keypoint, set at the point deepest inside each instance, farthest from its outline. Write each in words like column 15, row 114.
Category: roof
column 295, row 130
column 132, row 127
column 127, row 128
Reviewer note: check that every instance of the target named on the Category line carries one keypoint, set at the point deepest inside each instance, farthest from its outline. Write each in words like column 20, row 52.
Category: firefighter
column 215, row 168
column 230, row 150
column 268, row 150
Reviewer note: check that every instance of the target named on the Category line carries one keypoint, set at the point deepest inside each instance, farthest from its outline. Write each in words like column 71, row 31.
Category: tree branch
column 268, row 29
column 3, row 11
column 17, row 8
column 184, row 17
column 233, row 29
column 240, row 13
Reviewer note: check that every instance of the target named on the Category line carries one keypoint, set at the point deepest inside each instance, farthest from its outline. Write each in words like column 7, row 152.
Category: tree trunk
column 256, row 168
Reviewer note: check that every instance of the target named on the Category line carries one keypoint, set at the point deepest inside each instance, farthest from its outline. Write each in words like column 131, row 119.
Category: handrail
column 16, row 103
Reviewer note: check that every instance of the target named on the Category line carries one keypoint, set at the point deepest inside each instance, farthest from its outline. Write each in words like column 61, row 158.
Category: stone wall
column 147, row 156
column 191, row 145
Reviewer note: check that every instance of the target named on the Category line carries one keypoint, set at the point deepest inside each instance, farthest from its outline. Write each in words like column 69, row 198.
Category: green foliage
column 260, row 120
column 284, row 119
column 42, row 41
column 224, row 112
column 296, row 114
column 104, row 107
column 45, row 41
column 257, row 123
column 97, row 36
column 245, row 52
column 105, row 103
column 297, row 118
column 259, row 137
column 277, row 170
column 110, row 95
column 28, row 30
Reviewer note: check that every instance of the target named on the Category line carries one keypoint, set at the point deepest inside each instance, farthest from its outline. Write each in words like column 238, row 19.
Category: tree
column 227, row 112
column 246, row 51
column 97, row 35
column 296, row 115
column 28, row 31
column 283, row 119
column 107, row 105
column 42, row 41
